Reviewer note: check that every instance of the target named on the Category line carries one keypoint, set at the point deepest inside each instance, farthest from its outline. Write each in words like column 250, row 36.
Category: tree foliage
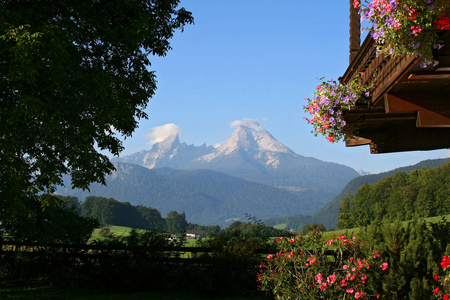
column 74, row 80
column 176, row 223
column 53, row 220
column 112, row 212
column 423, row 193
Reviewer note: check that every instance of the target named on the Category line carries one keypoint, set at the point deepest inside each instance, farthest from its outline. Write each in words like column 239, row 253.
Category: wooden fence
column 174, row 254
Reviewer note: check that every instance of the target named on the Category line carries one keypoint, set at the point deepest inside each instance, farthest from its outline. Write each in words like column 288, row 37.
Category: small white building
column 194, row 234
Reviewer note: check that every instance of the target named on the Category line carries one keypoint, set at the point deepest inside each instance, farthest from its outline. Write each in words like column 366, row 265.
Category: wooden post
column 355, row 32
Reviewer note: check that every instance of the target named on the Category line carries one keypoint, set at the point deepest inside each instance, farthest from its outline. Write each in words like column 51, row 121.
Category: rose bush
column 442, row 291
column 406, row 26
column 307, row 268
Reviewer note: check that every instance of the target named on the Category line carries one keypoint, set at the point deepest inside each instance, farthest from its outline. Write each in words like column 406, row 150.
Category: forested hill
column 328, row 215
column 425, row 193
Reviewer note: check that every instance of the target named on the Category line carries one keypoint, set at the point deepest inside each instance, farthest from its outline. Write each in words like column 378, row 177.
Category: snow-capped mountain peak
column 254, row 140
column 169, row 142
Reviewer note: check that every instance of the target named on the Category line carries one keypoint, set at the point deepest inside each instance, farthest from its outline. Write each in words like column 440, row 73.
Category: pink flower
column 291, row 240
column 330, row 242
column 343, row 283
column 416, row 30
column 384, row 266
column 345, row 267
column 311, row 260
column 318, row 278
column 323, row 287
column 358, row 294
column 350, row 291
column 331, row 279
column 269, row 256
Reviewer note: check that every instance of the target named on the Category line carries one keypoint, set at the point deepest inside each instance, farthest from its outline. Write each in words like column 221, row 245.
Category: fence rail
column 84, row 252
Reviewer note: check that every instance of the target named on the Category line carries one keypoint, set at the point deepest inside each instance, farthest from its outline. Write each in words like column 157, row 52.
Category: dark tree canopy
column 74, row 81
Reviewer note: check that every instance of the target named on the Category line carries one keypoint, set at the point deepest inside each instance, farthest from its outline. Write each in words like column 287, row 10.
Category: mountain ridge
column 250, row 153
column 206, row 196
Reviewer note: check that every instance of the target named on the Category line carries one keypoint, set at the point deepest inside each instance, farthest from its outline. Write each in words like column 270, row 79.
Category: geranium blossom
column 329, row 103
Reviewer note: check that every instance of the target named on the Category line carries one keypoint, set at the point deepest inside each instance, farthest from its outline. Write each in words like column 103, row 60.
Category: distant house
column 194, row 234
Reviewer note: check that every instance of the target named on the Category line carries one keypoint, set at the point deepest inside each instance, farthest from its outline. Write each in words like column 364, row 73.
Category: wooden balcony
column 410, row 105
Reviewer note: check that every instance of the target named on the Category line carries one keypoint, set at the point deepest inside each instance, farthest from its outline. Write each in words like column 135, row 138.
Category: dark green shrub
column 413, row 252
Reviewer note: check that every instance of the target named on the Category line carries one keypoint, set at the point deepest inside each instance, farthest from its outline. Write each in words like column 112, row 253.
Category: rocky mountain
column 362, row 172
column 253, row 154
column 167, row 153
column 207, row 197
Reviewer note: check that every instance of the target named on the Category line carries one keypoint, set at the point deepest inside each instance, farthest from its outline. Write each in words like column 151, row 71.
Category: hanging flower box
column 330, row 102
column 411, row 27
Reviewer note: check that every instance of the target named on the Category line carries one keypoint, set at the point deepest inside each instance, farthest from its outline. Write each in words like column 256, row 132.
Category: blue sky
column 256, row 59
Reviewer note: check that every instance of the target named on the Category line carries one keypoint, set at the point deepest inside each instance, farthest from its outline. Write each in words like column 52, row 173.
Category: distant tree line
column 112, row 212
column 422, row 193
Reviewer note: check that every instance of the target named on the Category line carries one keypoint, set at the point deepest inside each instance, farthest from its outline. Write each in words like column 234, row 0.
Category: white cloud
column 247, row 122
column 159, row 133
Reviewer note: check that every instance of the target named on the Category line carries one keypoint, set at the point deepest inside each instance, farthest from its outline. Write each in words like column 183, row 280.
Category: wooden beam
column 418, row 101
column 405, row 136
column 429, row 75
column 355, row 32
column 357, row 141
column 431, row 119
column 395, row 104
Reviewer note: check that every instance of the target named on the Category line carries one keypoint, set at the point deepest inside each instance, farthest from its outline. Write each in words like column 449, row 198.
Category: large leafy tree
column 74, row 81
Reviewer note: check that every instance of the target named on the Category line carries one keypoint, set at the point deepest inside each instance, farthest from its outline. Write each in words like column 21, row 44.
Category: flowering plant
column 297, row 273
column 328, row 104
column 442, row 291
column 406, row 26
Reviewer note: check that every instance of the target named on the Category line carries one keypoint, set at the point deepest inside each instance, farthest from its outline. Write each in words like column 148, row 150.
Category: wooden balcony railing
column 410, row 107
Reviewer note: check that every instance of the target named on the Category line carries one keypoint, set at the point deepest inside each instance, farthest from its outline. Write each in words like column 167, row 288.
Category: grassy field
column 115, row 230
column 124, row 231
column 353, row 231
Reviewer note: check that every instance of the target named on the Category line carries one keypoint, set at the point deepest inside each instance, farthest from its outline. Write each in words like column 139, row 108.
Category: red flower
column 446, row 297
column 436, row 290
column 445, row 262
column 436, row 277
column 443, row 23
